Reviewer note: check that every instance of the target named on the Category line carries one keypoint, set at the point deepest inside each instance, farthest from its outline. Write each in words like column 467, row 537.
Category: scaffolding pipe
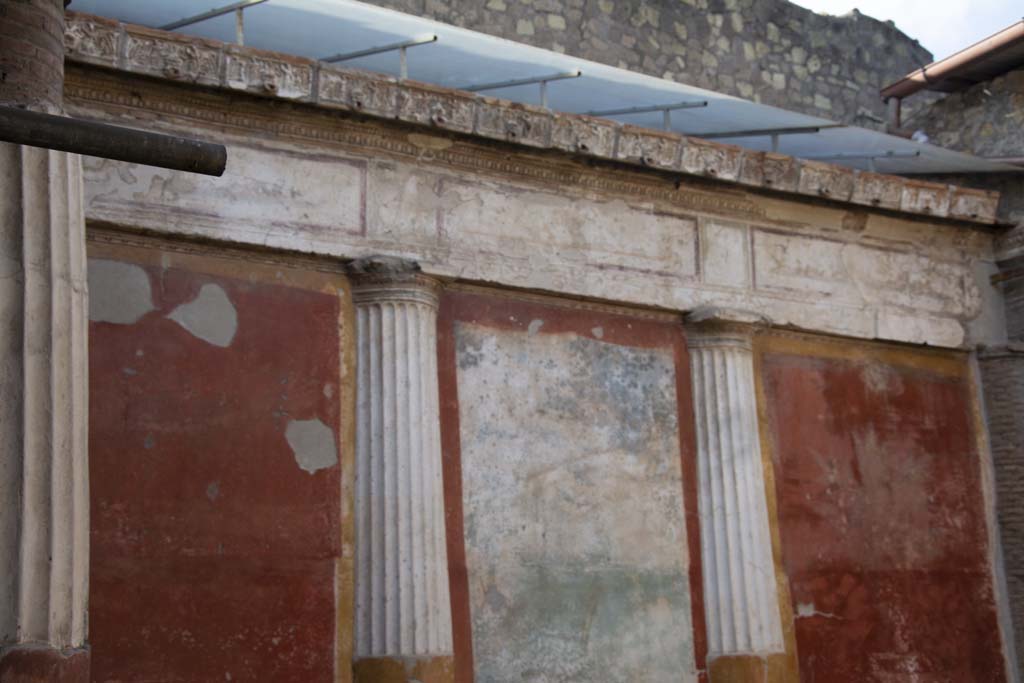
column 344, row 56
column 195, row 19
column 23, row 127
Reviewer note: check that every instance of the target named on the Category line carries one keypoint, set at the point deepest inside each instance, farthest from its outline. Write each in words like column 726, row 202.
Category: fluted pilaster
column 740, row 594
column 44, row 502
column 402, row 604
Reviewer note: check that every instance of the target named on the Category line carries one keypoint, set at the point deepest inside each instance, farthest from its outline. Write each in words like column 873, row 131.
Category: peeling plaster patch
column 119, row 293
column 535, row 326
column 149, row 442
column 213, row 491
column 806, row 609
column 210, row 316
column 313, row 444
column 131, row 372
column 598, row 332
column 328, row 390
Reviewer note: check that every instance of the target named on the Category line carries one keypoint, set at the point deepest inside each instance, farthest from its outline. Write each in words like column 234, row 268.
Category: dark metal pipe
column 23, row 127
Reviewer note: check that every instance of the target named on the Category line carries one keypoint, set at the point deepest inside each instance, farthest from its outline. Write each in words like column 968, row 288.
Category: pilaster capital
column 717, row 326
column 390, row 279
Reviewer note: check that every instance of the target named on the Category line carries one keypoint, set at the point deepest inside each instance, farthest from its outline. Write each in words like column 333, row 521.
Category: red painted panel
column 882, row 522
column 213, row 552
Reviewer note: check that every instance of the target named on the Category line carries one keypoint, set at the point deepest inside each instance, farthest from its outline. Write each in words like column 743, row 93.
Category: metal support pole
column 343, row 56
column 757, row 132
column 648, row 109
column 841, row 156
column 23, row 127
column 894, row 104
column 775, row 142
column 666, row 119
column 498, row 85
column 239, row 26
column 196, row 18
column 403, row 63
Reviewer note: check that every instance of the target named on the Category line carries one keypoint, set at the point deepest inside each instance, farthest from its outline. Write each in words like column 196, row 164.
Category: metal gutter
column 951, row 66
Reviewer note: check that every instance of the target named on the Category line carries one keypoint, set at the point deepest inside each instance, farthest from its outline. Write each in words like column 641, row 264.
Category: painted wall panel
column 881, row 513
column 215, row 447
column 576, row 538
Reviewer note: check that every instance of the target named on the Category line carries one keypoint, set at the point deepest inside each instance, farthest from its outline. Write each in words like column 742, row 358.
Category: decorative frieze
column 741, row 602
column 826, row 180
column 402, row 605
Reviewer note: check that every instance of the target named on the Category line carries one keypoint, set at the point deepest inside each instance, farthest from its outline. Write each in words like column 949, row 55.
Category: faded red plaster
column 881, row 515
column 40, row 664
column 509, row 311
column 213, row 553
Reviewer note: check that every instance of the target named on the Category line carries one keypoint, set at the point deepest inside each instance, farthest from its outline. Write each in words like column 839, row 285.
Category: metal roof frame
column 473, row 61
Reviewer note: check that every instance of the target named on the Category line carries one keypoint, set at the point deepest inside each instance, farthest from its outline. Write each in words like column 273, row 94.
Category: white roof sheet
column 462, row 58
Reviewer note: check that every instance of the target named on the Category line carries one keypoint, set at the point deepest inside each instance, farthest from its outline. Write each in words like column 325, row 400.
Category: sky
column 942, row 26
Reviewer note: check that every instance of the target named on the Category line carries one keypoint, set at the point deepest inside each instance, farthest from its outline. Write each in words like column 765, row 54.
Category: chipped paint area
column 210, row 316
column 119, row 293
column 574, row 521
column 313, row 444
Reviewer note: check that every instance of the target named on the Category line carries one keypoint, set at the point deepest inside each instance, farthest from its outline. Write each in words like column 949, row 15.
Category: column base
column 41, row 664
column 440, row 669
column 773, row 668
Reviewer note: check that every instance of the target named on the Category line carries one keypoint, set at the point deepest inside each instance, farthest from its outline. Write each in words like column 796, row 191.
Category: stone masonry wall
column 986, row 119
column 770, row 51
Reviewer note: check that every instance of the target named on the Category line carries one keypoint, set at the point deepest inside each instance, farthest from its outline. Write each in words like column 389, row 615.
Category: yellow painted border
column 344, row 597
column 781, row 668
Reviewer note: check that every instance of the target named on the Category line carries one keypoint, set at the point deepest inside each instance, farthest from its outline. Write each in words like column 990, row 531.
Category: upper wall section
column 627, row 225
column 148, row 52
column 770, row 51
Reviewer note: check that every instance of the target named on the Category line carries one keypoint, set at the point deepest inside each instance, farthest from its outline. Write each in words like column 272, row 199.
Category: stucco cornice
column 174, row 57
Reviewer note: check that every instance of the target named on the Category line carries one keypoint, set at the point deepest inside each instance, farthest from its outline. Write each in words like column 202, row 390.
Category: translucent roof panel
column 461, row 58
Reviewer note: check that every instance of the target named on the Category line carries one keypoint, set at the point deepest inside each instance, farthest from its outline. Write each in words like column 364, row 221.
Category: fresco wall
column 216, row 441
column 882, row 511
column 573, row 434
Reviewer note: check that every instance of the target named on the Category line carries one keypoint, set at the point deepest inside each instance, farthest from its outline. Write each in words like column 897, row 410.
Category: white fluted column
column 44, row 502
column 740, row 595
column 402, row 605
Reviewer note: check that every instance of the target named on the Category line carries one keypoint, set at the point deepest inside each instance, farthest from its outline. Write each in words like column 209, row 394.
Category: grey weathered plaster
column 210, row 316
column 313, row 444
column 575, row 535
column 118, row 292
